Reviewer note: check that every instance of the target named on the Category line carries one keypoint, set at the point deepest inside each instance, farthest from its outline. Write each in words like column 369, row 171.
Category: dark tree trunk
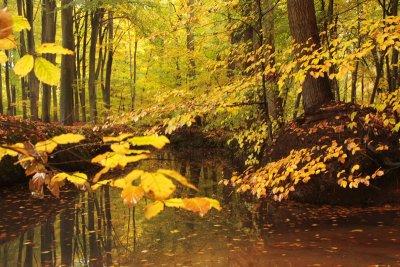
column 395, row 53
column 303, row 26
column 83, row 86
column 110, row 52
column 95, row 21
column 190, row 45
column 48, row 36
column 67, row 65
column 33, row 81
column 22, row 53
column 8, row 89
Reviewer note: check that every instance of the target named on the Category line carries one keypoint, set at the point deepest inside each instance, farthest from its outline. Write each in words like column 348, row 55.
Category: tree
column 49, row 15
column 33, row 81
column 67, row 65
column 303, row 26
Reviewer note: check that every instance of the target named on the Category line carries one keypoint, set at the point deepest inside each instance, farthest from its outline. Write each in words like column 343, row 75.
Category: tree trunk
column 83, row 86
column 67, row 65
column 33, row 81
column 395, row 53
column 303, row 26
column 22, row 53
column 95, row 20
column 274, row 100
column 48, row 36
column 190, row 45
column 110, row 52
column 8, row 89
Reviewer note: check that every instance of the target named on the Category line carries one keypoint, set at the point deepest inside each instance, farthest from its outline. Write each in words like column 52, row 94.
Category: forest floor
column 370, row 142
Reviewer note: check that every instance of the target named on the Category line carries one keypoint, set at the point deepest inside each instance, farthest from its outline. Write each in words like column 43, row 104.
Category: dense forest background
column 247, row 67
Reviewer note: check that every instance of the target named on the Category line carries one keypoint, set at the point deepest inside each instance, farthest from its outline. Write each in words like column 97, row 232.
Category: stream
column 75, row 231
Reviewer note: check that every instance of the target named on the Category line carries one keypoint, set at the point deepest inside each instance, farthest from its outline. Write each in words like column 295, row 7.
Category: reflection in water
column 101, row 231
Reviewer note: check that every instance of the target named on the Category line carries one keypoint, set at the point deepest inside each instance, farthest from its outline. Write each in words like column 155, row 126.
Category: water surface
column 82, row 231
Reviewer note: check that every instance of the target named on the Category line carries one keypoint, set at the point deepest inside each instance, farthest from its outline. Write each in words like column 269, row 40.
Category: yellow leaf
column 214, row 203
column 120, row 138
column 101, row 183
column 8, row 43
column 178, row 177
column 20, row 23
column 68, row 138
column 3, row 57
column 121, row 148
column 47, row 146
column 99, row 174
column 198, row 205
column 154, row 140
column 174, row 203
column 113, row 160
column 47, row 72
column 131, row 195
column 355, row 168
column 77, row 178
column 153, row 209
column 133, row 175
column 51, row 48
column 59, row 177
column 24, row 65
column 157, row 186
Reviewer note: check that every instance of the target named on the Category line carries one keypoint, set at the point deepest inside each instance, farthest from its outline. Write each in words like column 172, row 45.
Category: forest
column 136, row 133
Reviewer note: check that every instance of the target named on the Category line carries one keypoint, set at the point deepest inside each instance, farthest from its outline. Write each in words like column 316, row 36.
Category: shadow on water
column 101, row 231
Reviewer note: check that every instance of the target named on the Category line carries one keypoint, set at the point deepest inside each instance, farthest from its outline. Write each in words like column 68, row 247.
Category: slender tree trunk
column 95, row 21
column 67, row 65
column 395, row 53
column 48, row 36
column 190, row 45
column 33, row 81
column 8, row 89
column 110, row 52
column 303, row 26
column 22, row 53
column 274, row 100
column 13, row 100
column 55, row 104
column 84, row 64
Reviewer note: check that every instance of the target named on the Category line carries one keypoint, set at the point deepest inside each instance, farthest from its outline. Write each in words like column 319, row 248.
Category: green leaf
column 153, row 209
column 157, row 186
column 154, row 140
column 24, row 65
column 20, row 23
column 178, row 177
column 51, row 48
column 3, row 57
column 47, row 72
